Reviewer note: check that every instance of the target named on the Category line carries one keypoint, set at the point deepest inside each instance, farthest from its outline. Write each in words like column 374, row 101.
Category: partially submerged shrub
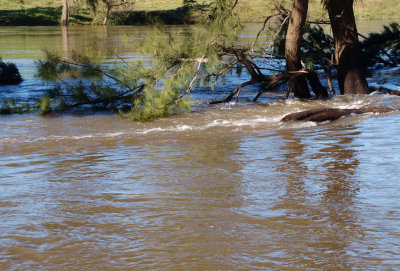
column 9, row 74
column 9, row 106
column 142, row 89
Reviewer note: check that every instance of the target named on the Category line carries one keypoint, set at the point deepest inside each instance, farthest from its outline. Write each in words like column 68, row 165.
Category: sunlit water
column 224, row 187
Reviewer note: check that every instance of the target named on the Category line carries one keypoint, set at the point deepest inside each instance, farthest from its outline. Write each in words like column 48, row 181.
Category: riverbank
column 17, row 13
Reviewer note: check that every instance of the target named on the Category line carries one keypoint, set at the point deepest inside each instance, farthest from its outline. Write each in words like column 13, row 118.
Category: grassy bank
column 40, row 16
column 46, row 12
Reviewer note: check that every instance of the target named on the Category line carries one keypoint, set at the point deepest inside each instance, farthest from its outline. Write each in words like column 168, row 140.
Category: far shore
column 172, row 12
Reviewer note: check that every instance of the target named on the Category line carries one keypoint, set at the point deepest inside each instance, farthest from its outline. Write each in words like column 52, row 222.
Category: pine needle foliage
column 317, row 48
column 383, row 47
column 143, row 89
column 10, row 106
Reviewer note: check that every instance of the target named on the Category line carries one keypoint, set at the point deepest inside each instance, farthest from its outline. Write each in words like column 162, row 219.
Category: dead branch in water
column 329, row 114
column 272, row 80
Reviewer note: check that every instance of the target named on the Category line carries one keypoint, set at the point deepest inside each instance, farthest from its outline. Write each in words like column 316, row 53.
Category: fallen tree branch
column 235, row 91
column 329, row 114
column 258, row 77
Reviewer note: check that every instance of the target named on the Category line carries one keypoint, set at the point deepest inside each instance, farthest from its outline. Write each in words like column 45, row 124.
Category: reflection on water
column 66, row 53
column 226, row 187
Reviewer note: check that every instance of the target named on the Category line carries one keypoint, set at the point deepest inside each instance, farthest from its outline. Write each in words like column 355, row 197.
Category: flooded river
column 224, row 187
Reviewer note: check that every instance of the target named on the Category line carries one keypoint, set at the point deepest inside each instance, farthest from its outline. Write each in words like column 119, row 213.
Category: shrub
column 9, row 74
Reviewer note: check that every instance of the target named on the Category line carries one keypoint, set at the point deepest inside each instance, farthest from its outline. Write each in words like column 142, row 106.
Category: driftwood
column 328, row 114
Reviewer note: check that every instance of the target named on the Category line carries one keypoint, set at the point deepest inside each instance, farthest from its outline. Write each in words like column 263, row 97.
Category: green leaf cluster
column 10, row 106
column 317, row 47
column 157, row 85
column 383, row 47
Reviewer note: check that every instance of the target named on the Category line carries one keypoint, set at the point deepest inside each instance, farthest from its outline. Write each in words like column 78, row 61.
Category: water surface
column 225, row 187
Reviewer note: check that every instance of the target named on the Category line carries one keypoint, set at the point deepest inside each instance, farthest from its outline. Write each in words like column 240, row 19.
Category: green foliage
column 383, row 47
column 9, row 74
column 45, row 105
column 10, row 106
column 53, row 68
column 148, row 90
column 317, row 48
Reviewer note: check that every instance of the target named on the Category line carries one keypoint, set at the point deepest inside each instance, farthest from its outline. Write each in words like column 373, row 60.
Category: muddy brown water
column 225, row 187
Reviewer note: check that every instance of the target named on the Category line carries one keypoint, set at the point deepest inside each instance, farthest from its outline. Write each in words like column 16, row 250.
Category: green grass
column 378, row 9
column 47, row 12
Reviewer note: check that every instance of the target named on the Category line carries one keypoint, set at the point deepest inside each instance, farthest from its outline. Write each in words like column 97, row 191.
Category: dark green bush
column 9, row 74
column 383, row 47
column 175, row 16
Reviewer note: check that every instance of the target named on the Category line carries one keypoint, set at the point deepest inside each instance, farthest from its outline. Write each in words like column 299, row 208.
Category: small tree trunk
column 65, row 13
column 350, row 73
column 107, row 15
column 292, row 46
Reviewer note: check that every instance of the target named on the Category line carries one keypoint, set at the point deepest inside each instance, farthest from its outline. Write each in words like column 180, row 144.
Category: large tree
column 350, row 73
column 294, row 37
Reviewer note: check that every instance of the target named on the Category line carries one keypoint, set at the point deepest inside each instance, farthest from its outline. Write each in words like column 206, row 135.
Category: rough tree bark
column 292, row 46
column 350, row 73
column 65, row 13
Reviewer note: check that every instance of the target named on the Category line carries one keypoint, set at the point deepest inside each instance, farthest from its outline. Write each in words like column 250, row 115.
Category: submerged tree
column 145, row 90
column 294, row 36
column 9, row 74
column 350, row 73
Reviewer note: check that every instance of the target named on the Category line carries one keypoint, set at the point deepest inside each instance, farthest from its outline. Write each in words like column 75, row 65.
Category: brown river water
column 224, row 187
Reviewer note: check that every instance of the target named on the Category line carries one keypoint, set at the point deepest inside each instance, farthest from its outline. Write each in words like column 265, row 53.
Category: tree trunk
column 350, row 73
column 65, row 13
column 107, row 15
column 292, row 46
